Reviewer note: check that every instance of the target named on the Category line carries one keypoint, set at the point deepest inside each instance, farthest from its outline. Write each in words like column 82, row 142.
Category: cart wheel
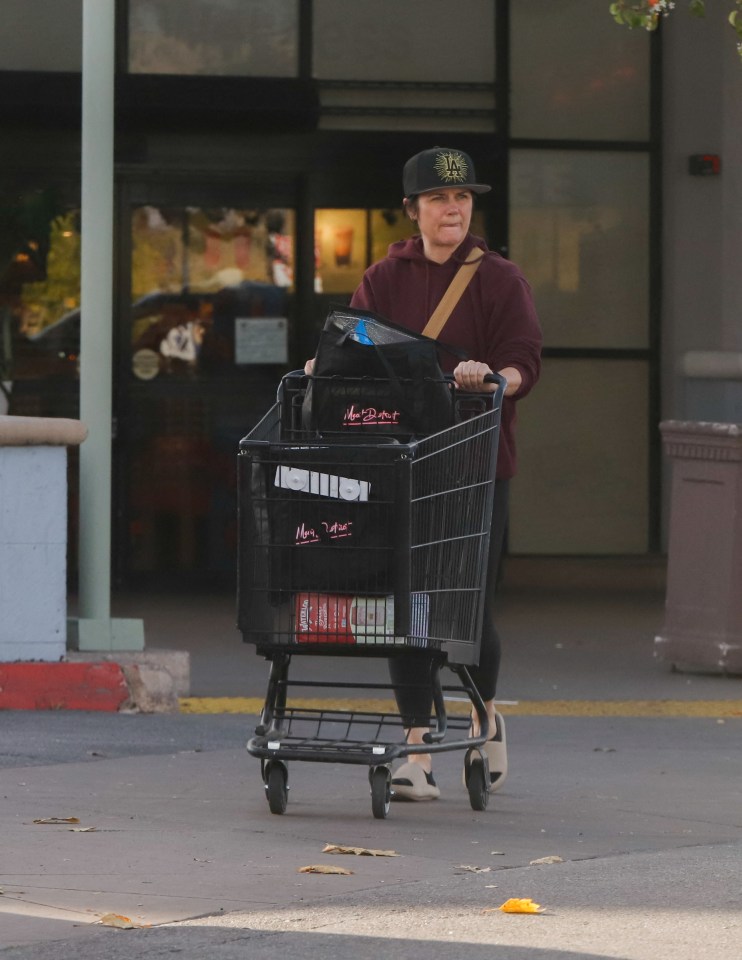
column 475, row 784
column 276, row 786
column 381, row 791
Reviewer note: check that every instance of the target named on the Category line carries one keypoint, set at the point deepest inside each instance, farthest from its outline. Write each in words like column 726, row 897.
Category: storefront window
column 209, row 289
column 42, row 35
column 210, row 323
column 418, row 40
column 604, row 92
column 201, row 37
column 579, row 230
column 341, row 249
column 349, row 241
column 583, row 442
column 406, row 66
column 39, row 303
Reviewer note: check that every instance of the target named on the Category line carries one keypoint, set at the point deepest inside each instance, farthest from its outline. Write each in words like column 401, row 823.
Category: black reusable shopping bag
column 373, row 377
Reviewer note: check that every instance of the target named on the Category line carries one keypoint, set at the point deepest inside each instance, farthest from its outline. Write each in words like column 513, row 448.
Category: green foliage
column 24, row 225
column 646, row 14
column 60, row 291
column 736, row 21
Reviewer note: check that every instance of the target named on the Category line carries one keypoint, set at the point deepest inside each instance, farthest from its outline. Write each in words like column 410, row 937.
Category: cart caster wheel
column 381, row 791
column 276, row 777
column 475, row 783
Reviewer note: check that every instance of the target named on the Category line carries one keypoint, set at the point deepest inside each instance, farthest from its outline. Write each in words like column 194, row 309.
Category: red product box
column 330, row 618
column 323, row 618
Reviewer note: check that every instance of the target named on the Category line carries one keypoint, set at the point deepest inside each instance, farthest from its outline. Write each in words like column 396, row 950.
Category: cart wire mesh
column 371, row 547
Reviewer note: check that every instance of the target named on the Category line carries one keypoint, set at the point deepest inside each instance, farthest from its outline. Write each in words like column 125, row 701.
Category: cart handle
column 488, row 378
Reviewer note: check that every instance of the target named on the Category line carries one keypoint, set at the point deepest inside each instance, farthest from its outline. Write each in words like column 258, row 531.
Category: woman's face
column 443, row 217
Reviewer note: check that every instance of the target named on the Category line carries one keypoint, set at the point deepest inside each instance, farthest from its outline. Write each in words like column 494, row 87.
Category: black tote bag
column 374, row 377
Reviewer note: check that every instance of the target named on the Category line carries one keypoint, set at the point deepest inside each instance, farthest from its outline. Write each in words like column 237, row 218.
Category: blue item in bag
column 360, row 334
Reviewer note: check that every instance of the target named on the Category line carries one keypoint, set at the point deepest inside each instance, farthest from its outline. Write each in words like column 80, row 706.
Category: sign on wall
column 261, row 340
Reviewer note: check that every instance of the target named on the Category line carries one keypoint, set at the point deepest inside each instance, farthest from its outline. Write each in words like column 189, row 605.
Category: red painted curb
column 62, row 686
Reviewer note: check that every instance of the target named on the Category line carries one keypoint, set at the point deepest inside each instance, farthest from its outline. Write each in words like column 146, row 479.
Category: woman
column 494, row 321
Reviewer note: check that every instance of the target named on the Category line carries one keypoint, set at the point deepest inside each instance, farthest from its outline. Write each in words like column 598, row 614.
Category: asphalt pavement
column 635, row 816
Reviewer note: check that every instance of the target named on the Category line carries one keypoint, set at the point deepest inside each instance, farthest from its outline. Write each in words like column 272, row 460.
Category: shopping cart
column 368, row 545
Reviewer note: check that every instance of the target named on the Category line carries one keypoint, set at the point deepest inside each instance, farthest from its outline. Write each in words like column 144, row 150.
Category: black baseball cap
column 440, row 167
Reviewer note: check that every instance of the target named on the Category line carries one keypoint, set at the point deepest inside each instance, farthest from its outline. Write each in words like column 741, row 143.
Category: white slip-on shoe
column 497, row 756
column 411, row 782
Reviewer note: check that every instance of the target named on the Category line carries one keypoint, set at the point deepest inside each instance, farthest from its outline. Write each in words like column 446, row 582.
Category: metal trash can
column 702, row 631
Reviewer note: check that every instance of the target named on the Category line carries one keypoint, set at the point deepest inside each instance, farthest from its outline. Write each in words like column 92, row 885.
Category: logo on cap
column 451, row 167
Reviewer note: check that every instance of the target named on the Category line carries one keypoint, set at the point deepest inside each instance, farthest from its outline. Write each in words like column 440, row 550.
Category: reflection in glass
column 210, row 312
column 583, row 461
column 603, row 95
column 206, row 37
column 418, row 40
column 341, row 249
column 39, row 304
column 388, row 226
column 406, row 66
column 347, row 242
column 195, row 271
column 579, row 230
column 44, row 35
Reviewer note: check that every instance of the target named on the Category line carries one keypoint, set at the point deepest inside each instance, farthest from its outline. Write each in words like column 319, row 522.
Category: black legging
column 415, row 703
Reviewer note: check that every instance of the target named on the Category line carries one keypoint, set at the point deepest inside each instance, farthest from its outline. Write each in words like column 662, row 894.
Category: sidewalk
column 174, row 832
column 644, row 816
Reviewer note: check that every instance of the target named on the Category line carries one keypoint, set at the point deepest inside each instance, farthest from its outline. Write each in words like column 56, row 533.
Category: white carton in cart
column 330, row 618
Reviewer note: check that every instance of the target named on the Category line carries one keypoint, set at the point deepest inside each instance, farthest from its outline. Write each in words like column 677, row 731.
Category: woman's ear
column 410, row 208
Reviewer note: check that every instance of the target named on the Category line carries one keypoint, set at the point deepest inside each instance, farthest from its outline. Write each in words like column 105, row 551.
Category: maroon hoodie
column 494, row 322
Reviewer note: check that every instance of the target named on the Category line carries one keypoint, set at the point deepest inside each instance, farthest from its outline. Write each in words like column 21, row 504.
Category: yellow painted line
column 719, row 709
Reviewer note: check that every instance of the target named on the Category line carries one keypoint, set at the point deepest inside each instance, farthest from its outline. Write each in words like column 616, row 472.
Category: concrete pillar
column 33, row 535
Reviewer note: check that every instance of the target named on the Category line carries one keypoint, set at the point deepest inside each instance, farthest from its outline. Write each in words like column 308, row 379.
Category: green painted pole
column 95, row 629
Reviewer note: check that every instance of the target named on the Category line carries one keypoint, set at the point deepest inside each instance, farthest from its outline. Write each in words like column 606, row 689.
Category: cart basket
column 367, row 547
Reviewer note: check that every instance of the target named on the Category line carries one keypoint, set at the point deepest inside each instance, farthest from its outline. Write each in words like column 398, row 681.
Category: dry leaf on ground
column 323, row 868
column 120, row 922
column 552, row 859
column 520, row 905
column 58, row 820
column 358, row 851
column 468, row 867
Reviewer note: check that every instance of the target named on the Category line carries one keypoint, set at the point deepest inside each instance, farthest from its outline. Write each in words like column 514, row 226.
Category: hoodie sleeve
column 502, row 312
column 513, row 332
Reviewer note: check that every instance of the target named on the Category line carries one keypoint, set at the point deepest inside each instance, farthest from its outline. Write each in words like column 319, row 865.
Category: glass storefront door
column 203, row 348
column 347, row 241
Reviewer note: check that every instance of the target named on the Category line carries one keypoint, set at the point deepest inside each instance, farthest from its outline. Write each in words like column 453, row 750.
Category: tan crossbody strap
column 452, row 296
